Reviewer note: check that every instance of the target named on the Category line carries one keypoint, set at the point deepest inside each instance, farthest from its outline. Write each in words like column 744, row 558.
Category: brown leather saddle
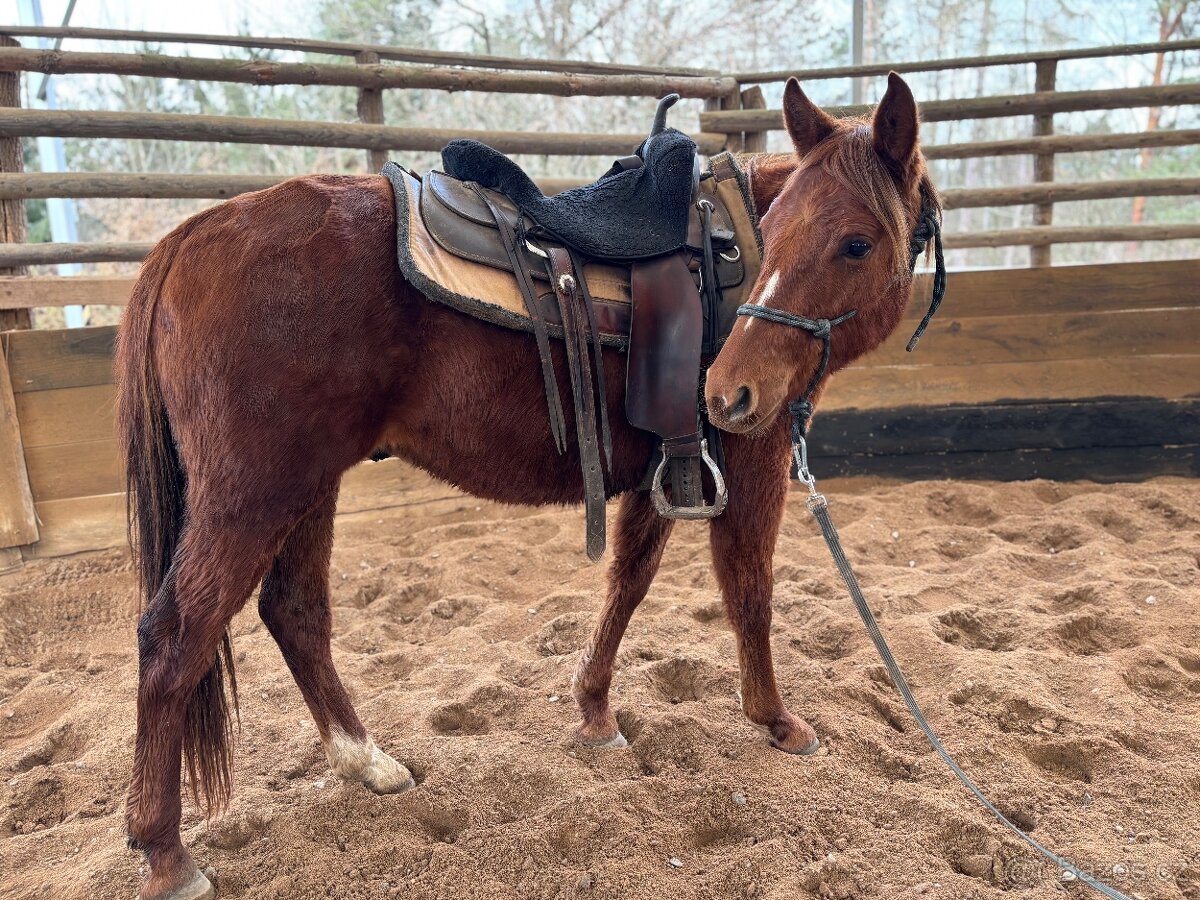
column 669, row 301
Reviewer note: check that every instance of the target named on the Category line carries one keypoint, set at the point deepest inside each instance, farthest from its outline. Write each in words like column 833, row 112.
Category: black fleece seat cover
column 628, row 214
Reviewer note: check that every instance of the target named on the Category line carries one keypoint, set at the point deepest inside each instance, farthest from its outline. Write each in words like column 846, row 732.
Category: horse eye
column 856, row 248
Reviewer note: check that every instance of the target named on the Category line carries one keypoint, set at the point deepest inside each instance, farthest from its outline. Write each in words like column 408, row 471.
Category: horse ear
column 896, row 125
column 806, row 122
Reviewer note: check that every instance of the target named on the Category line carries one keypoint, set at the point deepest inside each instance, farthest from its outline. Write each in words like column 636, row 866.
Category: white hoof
column 362, row 761
column 199, row 888
column 386, row 776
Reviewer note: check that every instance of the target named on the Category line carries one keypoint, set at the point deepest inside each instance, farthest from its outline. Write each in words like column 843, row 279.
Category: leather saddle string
column 566, row 288
column 597, row 357
column 509, row 238
column 712, row 289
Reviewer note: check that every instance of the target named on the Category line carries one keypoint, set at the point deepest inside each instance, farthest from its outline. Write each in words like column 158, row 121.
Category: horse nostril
column 742, row 403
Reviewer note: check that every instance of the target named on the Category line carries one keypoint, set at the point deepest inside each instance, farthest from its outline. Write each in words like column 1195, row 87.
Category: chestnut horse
column 271, row 343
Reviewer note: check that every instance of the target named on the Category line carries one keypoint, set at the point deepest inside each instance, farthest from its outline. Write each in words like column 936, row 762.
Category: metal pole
column 41, row 94
column 52, row 158
column 856, row 50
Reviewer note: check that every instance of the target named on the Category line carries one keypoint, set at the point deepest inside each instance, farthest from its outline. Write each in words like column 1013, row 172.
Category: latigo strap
column 573, row 306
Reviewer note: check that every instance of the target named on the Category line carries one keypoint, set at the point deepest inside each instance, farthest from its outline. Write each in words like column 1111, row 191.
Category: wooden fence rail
column 968, row 62
column 1065, row 143
column 49, row 254
column 1040, row 103
column 346, row 48
column 40, row 185
column 374, row 76
column 248, row 130
column 1036, row 236
column 1046, row 235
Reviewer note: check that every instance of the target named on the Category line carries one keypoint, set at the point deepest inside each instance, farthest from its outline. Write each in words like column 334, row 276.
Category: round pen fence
column 1081, row 371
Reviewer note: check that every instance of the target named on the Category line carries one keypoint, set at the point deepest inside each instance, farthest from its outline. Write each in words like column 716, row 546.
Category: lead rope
column 819, row 507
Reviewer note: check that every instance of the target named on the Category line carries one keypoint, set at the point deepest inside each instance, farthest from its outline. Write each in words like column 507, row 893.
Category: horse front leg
column 743, row 544
column 641, row 536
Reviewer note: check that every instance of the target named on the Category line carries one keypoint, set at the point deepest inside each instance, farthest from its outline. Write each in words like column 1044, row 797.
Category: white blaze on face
column 766, row 294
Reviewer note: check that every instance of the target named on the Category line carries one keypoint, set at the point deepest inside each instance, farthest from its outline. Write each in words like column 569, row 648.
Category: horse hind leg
column 294, row 604
column 181, row 701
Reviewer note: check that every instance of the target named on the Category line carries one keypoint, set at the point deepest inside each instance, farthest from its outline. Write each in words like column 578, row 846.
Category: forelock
column 849, row 157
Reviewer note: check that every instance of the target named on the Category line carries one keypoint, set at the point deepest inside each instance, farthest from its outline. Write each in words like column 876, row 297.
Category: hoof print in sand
column 486, row 700
column 440, row 825
column 235, row 830
column 37, row 801
column 672, row 742
column 64, row 743
column 710, row 613
column 974, row 629
column 1073, row 599
column 1087, row 634
column 1156, row 677
column 890, row 764
column 562, row 635
column 829, row 640
column 973, row 850
column 959, row 506
column 1063, row 762
column 458, row 610
column 680, row 679
column 1188, row 881
column 457, row 718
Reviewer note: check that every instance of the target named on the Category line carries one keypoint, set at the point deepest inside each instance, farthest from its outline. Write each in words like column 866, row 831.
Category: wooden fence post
column 754, row 141
column 370, row 110
column 733, row 141
column 18, row 518
column 1043, row 163
column 12, row 212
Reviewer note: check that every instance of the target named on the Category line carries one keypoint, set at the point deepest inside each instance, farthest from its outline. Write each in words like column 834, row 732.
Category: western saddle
column 654, row 258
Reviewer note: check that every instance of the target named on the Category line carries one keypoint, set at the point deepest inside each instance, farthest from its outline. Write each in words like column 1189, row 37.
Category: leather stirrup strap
column 597, row 358
column 510, row 236
column 575, row 339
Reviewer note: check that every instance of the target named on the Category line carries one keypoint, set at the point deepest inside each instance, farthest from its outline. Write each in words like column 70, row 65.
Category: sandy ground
column 1050, row 631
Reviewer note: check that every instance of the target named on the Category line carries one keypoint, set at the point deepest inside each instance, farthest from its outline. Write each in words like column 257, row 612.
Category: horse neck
column 767, row 173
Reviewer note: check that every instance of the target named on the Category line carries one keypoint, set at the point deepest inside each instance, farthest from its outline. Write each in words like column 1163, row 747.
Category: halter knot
column 824, row 328
column 801, row 411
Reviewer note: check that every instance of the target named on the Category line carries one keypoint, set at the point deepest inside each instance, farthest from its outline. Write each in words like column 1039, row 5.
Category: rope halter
column 929, row 228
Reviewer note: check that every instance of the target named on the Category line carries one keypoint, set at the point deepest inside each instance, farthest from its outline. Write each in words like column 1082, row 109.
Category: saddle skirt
column 450, row 248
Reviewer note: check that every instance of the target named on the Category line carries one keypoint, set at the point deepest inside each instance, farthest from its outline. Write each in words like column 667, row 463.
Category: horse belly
column 474, row 413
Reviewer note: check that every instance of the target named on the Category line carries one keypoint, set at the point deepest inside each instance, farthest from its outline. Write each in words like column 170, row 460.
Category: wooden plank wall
column 64, row 401
column 1065, row 372
column 1081, row 371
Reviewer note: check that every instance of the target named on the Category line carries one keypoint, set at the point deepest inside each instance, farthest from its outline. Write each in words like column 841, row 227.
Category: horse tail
column 156, row 488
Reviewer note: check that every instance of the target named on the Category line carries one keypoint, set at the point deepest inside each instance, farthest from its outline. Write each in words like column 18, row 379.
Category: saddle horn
column 660, row 114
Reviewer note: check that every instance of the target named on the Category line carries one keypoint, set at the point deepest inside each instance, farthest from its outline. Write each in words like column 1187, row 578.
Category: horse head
column 844, row 217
